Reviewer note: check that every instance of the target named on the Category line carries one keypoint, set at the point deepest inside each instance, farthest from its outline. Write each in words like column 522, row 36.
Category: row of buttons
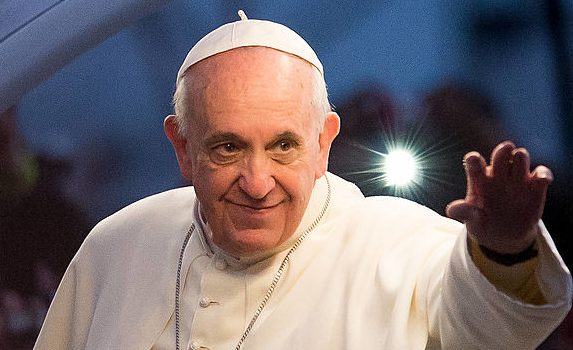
column 204, row 302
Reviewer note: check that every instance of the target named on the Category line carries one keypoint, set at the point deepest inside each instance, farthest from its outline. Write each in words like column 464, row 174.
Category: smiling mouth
column 255, row 208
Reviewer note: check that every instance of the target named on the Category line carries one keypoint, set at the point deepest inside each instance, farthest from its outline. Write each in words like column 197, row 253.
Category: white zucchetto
column 250, row 32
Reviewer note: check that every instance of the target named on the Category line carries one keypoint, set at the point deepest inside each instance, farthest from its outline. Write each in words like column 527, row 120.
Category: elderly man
column 268, row 250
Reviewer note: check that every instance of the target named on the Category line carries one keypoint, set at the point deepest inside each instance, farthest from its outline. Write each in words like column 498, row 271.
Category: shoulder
column 402, row 220
column 130, row 259
column 397, row 206
column 151, row 221
column 381, row 217
column 343, row 193
column 158, row 207
column 347, row 195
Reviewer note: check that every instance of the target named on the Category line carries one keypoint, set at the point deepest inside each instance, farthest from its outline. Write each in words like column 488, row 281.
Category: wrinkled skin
column 504, row 199
column 255, row 145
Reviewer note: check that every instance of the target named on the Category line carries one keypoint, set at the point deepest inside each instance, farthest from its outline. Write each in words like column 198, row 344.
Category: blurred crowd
column 41, row 227
column 40, row 231
column 448, row 121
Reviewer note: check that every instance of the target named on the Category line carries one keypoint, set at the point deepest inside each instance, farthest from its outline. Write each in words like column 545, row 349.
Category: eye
column 285, row 145
column 285, row 151
column 228, row 147
column 224, row 153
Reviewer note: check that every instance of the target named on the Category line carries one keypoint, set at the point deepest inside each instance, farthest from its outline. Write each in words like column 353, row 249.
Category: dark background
column 441, row 77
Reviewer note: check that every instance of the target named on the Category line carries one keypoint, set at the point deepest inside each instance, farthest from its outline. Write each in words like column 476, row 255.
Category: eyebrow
column 224, row 137
column 235, row 138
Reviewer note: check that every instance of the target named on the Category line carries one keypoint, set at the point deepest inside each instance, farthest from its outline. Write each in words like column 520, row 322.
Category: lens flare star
column 399, row 168
column 408, row 164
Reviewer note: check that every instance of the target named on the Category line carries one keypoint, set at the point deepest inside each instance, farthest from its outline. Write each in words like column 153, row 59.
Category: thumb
column 461, row 211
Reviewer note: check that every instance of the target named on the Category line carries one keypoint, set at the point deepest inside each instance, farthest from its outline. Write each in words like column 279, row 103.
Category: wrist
column 510, row 259
column 505, row 243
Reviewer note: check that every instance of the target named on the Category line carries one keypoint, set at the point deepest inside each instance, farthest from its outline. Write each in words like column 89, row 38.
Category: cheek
column 298, row 185
column 319, row 159
column 212, row 183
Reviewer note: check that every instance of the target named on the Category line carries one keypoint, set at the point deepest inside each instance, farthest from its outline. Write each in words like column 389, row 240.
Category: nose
column 257, row 178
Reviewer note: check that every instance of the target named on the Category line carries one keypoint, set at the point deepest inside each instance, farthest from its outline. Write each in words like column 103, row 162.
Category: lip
column 255, row 209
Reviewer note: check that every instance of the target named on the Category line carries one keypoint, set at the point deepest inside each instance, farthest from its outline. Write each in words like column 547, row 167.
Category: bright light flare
column 400, row 168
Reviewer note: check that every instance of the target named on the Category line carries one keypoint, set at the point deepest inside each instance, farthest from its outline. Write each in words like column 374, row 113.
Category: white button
column 194, row 345
column 220, row 264
column 204, row 302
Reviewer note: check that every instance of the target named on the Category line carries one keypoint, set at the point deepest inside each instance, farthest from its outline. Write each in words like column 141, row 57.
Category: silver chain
column 178, row 284
column 271, row 288
column 280, row 271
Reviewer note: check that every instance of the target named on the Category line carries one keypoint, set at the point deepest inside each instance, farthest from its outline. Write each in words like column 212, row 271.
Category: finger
column 542, row 176
column 520, row 164
column 501, row 158
column 475, row 168
column 461, row 211
column 540, row 180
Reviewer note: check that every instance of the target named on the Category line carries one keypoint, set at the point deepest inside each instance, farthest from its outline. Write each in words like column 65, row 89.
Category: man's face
column 255, row 145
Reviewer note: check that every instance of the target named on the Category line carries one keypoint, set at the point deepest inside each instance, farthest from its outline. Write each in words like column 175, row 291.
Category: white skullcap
column 250, row 32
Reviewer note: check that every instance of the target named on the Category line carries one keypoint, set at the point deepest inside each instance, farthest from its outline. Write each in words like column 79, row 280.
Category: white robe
column 376, row 273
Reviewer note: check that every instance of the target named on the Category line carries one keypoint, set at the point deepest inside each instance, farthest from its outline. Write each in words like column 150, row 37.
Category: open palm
column 504, row 200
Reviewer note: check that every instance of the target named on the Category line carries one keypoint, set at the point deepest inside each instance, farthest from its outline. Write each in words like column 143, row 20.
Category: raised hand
column 504, row 200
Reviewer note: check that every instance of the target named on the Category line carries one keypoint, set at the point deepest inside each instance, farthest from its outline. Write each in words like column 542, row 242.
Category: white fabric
column 250, row 32
column 377, row 273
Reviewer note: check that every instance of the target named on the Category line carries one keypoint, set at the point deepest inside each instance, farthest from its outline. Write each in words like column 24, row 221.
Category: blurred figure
column 456, row 119
column 562, row 337
column 459, row 118
column 40, row 231
column 17, row 172
column 367, row 122
column 558, row 217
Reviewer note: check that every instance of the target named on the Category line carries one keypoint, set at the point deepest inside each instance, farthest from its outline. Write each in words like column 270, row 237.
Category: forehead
column 251, row 81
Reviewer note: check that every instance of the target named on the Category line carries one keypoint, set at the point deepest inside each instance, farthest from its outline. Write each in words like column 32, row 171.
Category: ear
column 329, row 132
column 180, row 146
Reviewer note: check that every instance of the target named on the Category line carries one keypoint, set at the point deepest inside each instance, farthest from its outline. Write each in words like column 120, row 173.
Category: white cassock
column 375, row 273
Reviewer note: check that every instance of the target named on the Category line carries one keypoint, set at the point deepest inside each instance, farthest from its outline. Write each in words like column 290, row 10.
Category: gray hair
column 181, row 104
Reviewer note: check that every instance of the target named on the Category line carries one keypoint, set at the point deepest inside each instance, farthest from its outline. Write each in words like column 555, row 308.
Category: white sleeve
column 471, row 313
column 65, row 324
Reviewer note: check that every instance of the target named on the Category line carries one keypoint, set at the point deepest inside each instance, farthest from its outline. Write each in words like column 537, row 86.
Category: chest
column 322, row 301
